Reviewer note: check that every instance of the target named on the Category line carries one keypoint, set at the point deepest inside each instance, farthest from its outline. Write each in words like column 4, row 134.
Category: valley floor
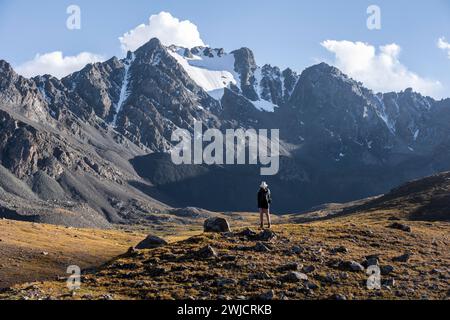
column 316, row 260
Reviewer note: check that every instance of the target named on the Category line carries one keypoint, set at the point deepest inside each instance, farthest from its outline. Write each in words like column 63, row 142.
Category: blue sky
column 284, row 32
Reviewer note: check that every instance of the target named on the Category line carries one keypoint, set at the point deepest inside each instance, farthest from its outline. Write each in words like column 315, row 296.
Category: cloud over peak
column 56, row 64
column 168, row 29
column 381, row 70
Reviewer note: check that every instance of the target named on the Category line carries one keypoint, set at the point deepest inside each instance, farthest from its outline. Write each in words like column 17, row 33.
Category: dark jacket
column 264, row 198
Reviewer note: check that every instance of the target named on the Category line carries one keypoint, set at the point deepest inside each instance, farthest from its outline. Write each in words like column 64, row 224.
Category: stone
column 403, row 258
column 400, row 226
column 309, row 269
column 224, row 282
column 351, row 266
column 293, row 266
column 207, row 253
column 371, row 261
column 216, row 225
column 248, row 233
column 388, row 283
column 155, row 271
column 311, row 286
column 267, row 296
column 260, row 276
column 266, row 235
column 386, row 270
column 338, row 297
column 261, row 247
column 340, row 249
column 297, row 250
column 293, row 277
column 151, row 242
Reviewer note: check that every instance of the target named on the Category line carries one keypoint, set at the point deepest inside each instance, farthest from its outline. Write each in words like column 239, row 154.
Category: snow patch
column 124, row 92
column 213, row 74
column 263, row 105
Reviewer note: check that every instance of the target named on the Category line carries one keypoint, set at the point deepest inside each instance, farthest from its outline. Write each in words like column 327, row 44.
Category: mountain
column 92, row 148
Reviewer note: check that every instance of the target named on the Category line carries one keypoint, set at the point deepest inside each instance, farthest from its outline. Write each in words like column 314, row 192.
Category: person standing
column 264, row 201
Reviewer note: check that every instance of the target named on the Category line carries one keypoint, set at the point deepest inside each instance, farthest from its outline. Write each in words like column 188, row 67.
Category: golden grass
column 184, row 278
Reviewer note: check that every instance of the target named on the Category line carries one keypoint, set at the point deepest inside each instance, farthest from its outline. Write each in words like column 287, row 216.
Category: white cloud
column 168, row 29
column 380, row 70
column 56, row 64
column 444, row 45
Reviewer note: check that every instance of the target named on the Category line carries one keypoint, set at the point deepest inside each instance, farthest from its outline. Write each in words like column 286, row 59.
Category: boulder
column 151, row 242
column 216, row 225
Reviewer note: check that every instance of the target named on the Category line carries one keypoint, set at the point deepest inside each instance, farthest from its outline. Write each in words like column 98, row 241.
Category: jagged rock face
column 245, row 65
column 99, row 86
column 161, row 99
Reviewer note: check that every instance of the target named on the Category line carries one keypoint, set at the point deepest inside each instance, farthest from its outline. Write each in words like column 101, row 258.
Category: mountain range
column 92, row 149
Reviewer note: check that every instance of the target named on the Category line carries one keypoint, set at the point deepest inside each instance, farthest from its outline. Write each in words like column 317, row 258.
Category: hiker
column 264, row 201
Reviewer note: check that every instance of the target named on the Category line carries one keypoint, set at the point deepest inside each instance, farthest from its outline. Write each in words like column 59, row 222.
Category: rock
column 155, row 271
column 224, row 282
column 351, row 266
column 266, row 235
column 400, row 226
column 228, row 258
column 370, row 261
column 309, row 269
column 338, row 297
column 259, row 276
column 297, row 250
column 216, row 225
column 288, row 267
column 311, row 286
column 386, row 270
column 151, row 242
column 340, row 249
column 207, row 253
column 269, row 295
column 248, row 233
column 293, row 277
column 403, row 258
column 261, row 247
column 388, row 283
column 44, row 253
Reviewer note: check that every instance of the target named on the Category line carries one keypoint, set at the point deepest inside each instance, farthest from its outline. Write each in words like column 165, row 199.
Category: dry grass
column 425, row 276
column 31, row 252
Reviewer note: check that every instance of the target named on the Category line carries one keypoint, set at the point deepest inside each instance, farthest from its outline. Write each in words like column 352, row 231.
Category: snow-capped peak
column 211, row 69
